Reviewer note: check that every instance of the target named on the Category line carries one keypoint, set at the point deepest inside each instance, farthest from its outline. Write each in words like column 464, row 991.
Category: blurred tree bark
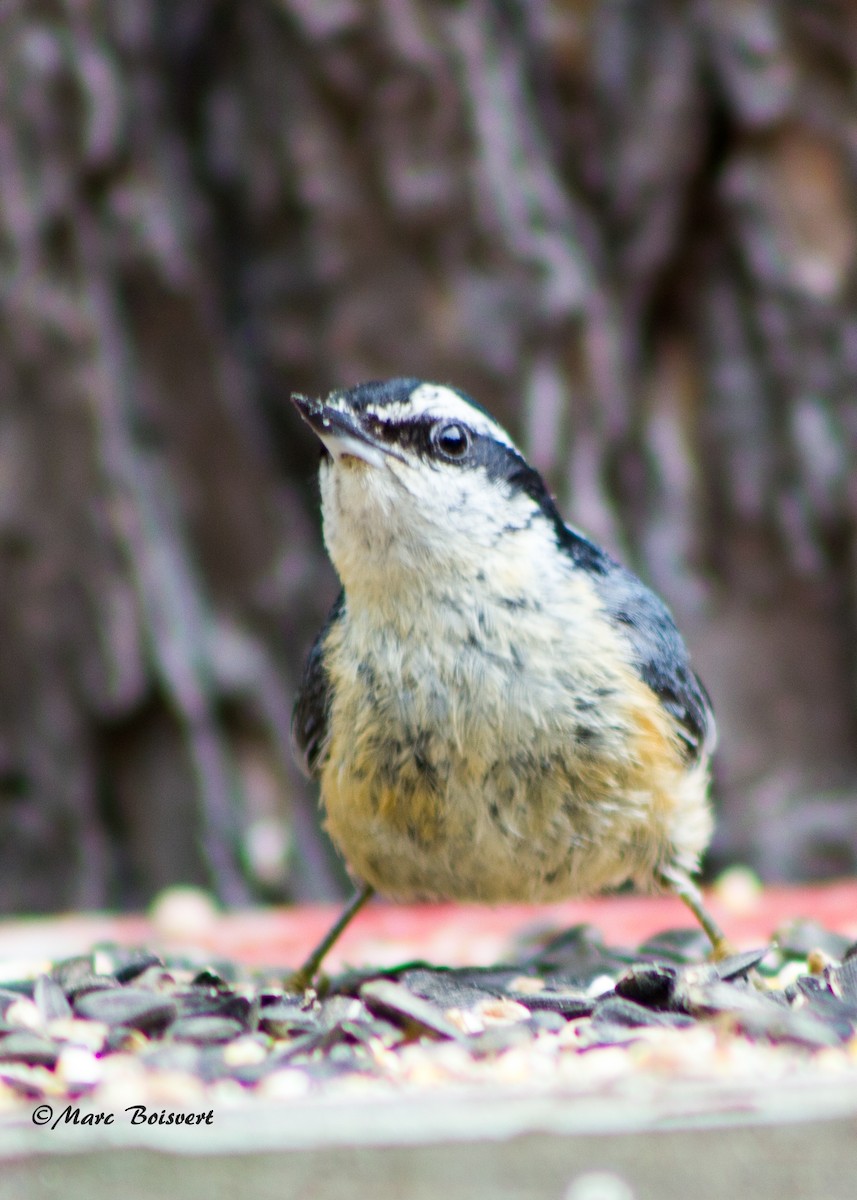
column 627, row 226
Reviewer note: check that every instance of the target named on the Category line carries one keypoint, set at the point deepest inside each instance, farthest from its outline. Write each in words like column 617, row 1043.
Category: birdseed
column 123, row 1026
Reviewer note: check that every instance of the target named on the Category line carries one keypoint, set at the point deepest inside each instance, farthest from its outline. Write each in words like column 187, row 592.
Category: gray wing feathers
column 661, row 656
column 312, row 705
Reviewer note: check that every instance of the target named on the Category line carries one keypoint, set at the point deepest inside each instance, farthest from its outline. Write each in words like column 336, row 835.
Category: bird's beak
column 340, row 432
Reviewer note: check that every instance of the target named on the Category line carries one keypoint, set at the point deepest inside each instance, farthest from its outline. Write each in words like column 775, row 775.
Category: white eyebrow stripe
column 435, row 400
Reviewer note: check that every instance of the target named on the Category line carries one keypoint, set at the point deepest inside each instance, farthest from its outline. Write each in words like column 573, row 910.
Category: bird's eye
column 451, row 439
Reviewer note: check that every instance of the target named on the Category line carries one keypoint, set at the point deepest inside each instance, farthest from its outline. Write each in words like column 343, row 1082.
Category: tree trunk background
column 626, row 226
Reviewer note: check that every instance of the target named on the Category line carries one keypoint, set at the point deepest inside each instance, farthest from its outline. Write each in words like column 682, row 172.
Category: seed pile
column 121, row 1026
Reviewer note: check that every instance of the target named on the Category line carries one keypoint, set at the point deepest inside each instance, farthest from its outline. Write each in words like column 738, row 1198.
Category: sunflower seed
column 799, row 938
column 843, row 979
column 615, row 1010
column 650, row 984
column 677, row 945
column 50, row 999
column 205, row 1030
column 737, row 966
column 26, row 1047
column 134, row 1007
column 446, row 989
column 281, row 1020
column 566, row 1002
column 401, row 1005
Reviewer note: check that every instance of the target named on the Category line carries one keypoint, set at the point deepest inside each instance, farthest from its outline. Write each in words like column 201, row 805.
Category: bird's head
column 417, row 475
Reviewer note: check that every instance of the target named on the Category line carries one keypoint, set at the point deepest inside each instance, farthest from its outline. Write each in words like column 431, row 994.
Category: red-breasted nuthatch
column 496, row 710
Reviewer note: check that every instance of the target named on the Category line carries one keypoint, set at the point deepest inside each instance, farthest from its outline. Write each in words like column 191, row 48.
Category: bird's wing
column 312, row 705
column 660, row 655
column 657, row 650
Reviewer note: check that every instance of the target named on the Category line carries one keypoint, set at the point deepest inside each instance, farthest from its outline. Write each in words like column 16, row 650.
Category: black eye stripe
column 410, row 434
column 419, row 435
column 430, row 437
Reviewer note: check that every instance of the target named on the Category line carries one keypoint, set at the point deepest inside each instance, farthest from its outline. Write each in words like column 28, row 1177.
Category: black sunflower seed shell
column 133, row 965
column 448, row 989
column 30, row 1048
column 835, row 1014
column 69, row 970
column 843, row 979
column 133, row 1007
column 282, row 1020
column 400, row 1005
column 677, row 945
column 50, row 999
column 738, row 966
column 617, row 1011
column 90, row 983
column 799, row 938
column 8, row 997
column 649, row 984
column 205, row 1030
column 205, row 1002
column 566, row 1003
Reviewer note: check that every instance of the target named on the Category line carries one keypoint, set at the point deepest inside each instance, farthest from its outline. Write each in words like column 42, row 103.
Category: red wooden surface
column 445, row 934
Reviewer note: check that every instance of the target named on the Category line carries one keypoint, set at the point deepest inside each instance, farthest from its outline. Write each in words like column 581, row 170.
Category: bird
column 496, row 710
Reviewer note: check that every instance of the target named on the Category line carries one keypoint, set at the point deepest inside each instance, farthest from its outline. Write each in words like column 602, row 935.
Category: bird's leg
column 301, row 979
column 683, row 886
